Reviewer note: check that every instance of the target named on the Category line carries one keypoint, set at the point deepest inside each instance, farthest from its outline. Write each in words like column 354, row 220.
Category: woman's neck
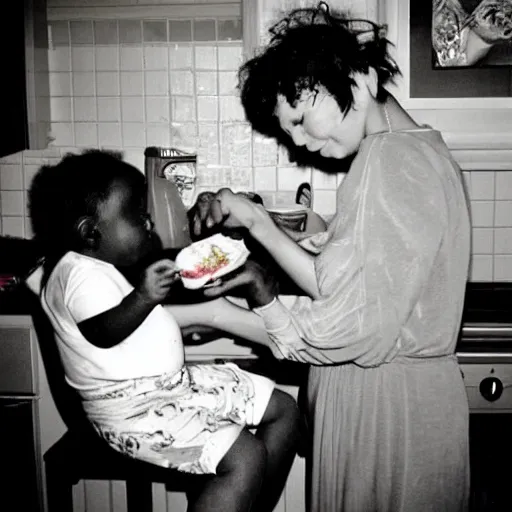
column 389, row 116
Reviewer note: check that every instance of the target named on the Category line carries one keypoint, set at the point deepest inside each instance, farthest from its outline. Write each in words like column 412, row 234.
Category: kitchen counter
column 22, row 302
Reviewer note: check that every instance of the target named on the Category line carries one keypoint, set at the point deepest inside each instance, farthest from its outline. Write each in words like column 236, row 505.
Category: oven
column 484, row 351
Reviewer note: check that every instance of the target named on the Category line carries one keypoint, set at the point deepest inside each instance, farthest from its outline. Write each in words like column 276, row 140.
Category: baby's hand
column 157, row 280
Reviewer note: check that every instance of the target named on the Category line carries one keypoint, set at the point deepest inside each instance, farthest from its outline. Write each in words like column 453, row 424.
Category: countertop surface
column 21, row 301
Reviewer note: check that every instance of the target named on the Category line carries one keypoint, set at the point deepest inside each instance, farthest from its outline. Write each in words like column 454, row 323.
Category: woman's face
column 317, row 122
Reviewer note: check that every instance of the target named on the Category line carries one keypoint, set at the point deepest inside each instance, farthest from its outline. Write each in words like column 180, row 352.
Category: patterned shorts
column 187, row 421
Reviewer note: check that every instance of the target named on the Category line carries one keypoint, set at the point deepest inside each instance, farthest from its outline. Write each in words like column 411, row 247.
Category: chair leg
column 139, row 495
column 59, row 492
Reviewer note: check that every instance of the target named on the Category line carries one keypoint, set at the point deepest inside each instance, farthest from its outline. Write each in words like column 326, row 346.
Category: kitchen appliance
column 170, row 175
column 19, row 419
column 484, row 351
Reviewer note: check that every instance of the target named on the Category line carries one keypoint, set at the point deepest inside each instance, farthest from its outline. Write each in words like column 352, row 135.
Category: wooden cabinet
column 25, row 99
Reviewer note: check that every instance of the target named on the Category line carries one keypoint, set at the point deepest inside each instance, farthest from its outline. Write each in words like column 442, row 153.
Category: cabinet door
column 20, row 482
column 13, row 99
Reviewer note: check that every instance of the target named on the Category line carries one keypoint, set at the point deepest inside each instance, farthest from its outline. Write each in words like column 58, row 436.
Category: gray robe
column 387, row 406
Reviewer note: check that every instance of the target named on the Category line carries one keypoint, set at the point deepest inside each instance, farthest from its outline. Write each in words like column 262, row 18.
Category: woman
column 384, row 284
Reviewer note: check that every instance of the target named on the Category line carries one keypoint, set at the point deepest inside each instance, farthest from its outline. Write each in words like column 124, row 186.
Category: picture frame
column 477, row 128
column 471, row 33
column 430, row 80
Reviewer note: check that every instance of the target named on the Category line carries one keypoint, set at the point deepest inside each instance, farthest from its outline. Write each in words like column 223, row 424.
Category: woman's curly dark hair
column 60, row 195
column 312, row 47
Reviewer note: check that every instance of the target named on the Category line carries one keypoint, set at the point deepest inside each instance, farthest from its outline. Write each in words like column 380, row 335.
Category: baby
column 123, row 352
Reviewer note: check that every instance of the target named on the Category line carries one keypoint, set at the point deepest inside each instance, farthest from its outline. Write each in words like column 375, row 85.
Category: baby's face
column 124, row 226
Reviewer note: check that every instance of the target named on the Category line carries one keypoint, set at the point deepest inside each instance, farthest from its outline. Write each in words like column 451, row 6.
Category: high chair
column 82, row 455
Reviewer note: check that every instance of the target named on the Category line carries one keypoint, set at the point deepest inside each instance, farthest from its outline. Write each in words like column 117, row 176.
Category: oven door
column 486, row 366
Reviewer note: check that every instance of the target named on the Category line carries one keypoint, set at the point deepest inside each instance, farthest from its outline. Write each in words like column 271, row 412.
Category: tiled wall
column 128, row 84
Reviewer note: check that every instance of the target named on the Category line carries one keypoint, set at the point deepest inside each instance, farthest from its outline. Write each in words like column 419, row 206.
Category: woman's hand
column 223, row 208
column 253, row 282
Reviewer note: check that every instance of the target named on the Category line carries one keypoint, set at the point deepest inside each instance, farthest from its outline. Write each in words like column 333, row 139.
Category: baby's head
column 93, row 204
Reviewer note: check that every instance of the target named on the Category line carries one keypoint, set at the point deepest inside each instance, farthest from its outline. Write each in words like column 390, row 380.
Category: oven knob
column 491, row 388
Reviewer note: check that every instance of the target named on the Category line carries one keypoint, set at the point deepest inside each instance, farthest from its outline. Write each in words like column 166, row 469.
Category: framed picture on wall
column 470, row 106
column 471, row 33
column 428, row 79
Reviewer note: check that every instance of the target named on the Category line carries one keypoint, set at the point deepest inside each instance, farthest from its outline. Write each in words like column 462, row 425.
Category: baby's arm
column 111, row 327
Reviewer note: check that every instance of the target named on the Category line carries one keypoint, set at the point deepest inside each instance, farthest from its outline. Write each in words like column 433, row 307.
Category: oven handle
column 487, row 331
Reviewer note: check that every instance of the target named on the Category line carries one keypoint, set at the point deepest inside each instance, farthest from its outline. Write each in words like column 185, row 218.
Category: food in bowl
column 209, row 259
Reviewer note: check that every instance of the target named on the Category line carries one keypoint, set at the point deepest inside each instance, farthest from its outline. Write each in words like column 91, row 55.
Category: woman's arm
column 293, row 259
column 223, row 315
column 233, row 210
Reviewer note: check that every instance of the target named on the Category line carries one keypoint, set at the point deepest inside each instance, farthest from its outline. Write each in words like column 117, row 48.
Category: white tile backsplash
column 206, row 83
column 183, row 108
column 235, row 146
column 481, row 185
column 207, row 108
column 12, row 202
column 323, row 181
column 503, row 240
column 156, row 83
column 60, row 84
column 82, row 58
column 132, row 109
column 502, row 270
column 157, row 110
column 483, row 241
column 156, row 57
column 504, row 185
column 482, row 213
column 11, row 177
column 131, row 58
column 85, row 109
column 13, row 226
column 107, row 58
column 59, row 58
column 231, row 109
column 127, row 96
column 84, row 83
column 86, row 135
column 62, row 134
column 264, row 151
column 61, row 109
column 180, row 56
column 289, row 178
column 503, row 213
column 205, row 57
column 265, row 178
column 109, row 135
column 230, row 57
column 158, row 135
column 132, row 83
column 324, row 202
column 107, row 83
column 228, row 81
column 134, row 135
column 481, row 268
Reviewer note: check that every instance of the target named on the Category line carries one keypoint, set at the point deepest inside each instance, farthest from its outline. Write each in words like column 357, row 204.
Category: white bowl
column 209, row 259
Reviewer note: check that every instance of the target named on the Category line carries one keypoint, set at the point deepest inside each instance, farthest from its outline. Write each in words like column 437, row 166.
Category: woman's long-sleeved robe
column 386, row 401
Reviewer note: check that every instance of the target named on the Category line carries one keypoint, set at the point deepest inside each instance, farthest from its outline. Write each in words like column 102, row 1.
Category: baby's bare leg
column 238, row 480
column 279, row 430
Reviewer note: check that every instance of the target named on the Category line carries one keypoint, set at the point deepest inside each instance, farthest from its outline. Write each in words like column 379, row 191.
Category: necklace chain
column 386, row 113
